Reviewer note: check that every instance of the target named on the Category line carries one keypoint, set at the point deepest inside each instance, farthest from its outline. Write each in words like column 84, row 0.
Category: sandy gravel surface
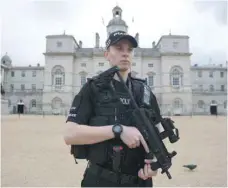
column 34, row 154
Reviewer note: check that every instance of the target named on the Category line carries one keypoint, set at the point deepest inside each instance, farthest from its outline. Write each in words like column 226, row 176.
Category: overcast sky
column 25, row 23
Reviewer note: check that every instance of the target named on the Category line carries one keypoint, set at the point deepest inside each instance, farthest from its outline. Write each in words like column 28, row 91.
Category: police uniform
column 96, row 105
column 111, row 163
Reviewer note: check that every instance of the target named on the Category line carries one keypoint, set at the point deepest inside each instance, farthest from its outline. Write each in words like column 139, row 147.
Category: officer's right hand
column 132, row 138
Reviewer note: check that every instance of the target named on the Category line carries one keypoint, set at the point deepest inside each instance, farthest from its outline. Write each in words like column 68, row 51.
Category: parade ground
column 33, row 153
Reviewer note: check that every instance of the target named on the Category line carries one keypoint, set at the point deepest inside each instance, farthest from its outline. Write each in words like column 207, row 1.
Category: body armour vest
column 113, row 105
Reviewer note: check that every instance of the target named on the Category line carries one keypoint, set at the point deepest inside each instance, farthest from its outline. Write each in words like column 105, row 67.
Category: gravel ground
column 34, row 154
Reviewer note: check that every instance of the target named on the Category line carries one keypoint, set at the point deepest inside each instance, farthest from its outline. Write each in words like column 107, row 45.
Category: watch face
column 117, row 129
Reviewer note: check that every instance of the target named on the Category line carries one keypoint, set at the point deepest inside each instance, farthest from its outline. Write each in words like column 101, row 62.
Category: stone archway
column 56, row 105
column 177, row 106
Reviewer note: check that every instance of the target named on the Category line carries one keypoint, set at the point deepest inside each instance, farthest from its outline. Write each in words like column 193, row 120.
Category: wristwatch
column 117, row 129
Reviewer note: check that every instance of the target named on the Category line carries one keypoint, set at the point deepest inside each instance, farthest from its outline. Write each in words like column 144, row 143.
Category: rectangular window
column 33, row 87
column 22, row 73
column 101, row 64
column 12, row 74
column 33, row 73
column 221, row 74
column 175, row 44
column 211, row 74
column 151, row 80
column 83, row 64
column 59, row 44
column 11, row 87
column 176, row 81
column 150, row 65
column 222, row 88
column 211, row 88
column 199, row 73
column 58, row 82
column 22, row 87
column 83, row 79
column 33, row 103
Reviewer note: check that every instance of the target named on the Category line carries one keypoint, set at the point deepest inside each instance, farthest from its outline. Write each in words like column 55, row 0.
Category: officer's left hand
column 146, row 172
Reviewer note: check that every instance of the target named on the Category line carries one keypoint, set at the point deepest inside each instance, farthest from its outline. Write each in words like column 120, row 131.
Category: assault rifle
column 150, row 130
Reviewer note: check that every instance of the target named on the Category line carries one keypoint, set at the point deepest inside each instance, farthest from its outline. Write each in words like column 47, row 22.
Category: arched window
column 56, row 103
column 58, row 76
column 176, row 76
column 201, row 104
column 177, row 103
column 33, row 103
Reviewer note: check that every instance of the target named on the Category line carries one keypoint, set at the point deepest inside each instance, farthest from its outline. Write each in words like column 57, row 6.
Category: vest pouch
column 79, row 151
column 98, row 152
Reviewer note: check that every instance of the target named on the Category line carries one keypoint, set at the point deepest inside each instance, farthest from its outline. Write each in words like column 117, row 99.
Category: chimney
column 137, row 38
column 80, row 44
column 153, row 44
column 38, row 64
column 97, row 42
column 29, row 65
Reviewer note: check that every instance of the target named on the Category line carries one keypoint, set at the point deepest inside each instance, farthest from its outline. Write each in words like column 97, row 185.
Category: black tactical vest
column 109, row 109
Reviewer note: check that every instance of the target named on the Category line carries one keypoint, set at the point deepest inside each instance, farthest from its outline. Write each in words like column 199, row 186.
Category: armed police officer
column 100, row 127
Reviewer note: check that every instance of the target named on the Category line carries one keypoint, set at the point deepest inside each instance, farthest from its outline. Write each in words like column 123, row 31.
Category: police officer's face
column 120, row 54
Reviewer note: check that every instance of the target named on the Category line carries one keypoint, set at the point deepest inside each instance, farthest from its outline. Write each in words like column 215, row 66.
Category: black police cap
column 119, row 35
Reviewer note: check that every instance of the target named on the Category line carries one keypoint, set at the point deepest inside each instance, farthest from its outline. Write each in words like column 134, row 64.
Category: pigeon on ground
column 190, row 166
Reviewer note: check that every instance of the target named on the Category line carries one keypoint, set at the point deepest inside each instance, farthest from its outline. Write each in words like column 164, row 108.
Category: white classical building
column 180, row 88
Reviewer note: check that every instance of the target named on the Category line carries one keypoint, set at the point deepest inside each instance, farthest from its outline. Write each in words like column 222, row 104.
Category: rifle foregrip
column 149, row 155
column 154, row 166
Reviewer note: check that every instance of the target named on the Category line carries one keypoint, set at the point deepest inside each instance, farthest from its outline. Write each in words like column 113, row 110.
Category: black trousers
column 95, row 176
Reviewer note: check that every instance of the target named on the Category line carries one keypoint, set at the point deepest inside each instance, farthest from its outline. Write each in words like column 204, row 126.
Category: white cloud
column 26, row 23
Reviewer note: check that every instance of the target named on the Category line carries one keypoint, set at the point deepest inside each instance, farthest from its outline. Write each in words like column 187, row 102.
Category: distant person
column 2, row 90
